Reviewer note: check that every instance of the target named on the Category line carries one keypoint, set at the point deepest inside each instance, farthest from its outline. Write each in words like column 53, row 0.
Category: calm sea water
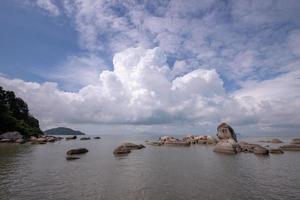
column 30, row 172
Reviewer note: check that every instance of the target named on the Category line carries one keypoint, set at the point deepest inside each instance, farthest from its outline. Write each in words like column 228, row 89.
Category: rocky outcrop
column 291, row 147
column 77, row 151
column 11, row 135
column 226, row 132
column 227, row 140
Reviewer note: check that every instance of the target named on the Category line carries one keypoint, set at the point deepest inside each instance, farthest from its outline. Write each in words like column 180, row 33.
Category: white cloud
column 140, row 91
column 294, row 42
column 49, row 6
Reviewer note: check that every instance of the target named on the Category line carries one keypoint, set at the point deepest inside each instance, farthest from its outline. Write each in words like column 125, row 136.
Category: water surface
column 42, row 172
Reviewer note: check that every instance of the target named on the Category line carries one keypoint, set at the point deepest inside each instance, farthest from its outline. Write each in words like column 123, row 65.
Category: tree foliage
column 15, row 116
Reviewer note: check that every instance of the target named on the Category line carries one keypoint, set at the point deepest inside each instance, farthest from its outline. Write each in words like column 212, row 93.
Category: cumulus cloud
column 140, row 90
column 49, row 6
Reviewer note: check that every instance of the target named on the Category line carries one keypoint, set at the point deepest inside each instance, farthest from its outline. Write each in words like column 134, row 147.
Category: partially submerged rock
column 74, row 137
column 177, row 143
column 121, row 150
column 291, row 147
column 276, row 141
column 85, row 138
column 97, row 138
column 77, row 151
column 126, row 148
column 276, row 151
column 72, row 158
column 225, row 147
column 259, row 150
column 132, row 146
column 295, row 141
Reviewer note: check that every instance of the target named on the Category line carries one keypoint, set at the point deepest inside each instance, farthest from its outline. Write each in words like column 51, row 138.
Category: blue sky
column 207, row 56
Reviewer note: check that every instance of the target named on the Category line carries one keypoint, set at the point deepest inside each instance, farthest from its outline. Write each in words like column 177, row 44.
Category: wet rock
column 295, row 141
column 11, row 135
column 291, row 147
column 97, row 138
column 5, row 140
column 211, row 140
column 74, row 137
column 226, row 132
column 85, row 138
column 77, row 151
column 72, row 158
column 276, row 151
column 259, row 150
column 20, row 141
column 276, row 141
column 177, row 143
column 121, row 150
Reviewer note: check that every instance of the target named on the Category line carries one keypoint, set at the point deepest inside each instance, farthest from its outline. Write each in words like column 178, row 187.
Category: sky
column 169, row 67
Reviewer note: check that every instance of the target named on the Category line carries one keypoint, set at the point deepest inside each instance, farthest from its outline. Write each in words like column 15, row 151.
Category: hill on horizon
column 63, row 131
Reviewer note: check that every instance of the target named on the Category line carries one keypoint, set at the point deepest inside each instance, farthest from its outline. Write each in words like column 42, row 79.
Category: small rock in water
column 77, row 151
column 85, row 138
column 74, row 137
column 97, row 138
column 291, row 147
column 276, row 151
column 72, row 158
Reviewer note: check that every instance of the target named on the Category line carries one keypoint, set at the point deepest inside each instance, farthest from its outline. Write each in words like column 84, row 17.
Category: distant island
column 63, row 131
column 15, row 116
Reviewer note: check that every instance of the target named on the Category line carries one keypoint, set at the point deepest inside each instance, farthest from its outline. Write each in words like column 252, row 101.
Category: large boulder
column 226, row 132
column 11, row 135
column 77, row 151
column 225, row 147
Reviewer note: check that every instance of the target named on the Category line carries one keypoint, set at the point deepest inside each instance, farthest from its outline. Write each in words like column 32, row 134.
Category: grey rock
column 77, row 151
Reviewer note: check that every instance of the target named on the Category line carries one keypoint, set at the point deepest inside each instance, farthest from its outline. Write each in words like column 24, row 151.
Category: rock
column 167, row 138
column 77, row 151
column 5, row 140
column 20, row 141
column 291, row 147
column 276, row 141
column 247, row 148
column 226, row 132
column 121, row 150
column 97, row 138
column 154, row 143
column 132, row 146
column 276, row 151
column 41, row 139
column 177, row 143
column 295, row 141
column 74, row 137
column 211, row 140
column 11, row 135
column 85, row 138
column 189, row 138
column 72, row 158
column 51, row 139
column 225, row 147
column 259, row 150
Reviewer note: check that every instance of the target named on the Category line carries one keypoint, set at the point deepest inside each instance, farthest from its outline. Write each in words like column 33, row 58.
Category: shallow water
column 196, row 172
